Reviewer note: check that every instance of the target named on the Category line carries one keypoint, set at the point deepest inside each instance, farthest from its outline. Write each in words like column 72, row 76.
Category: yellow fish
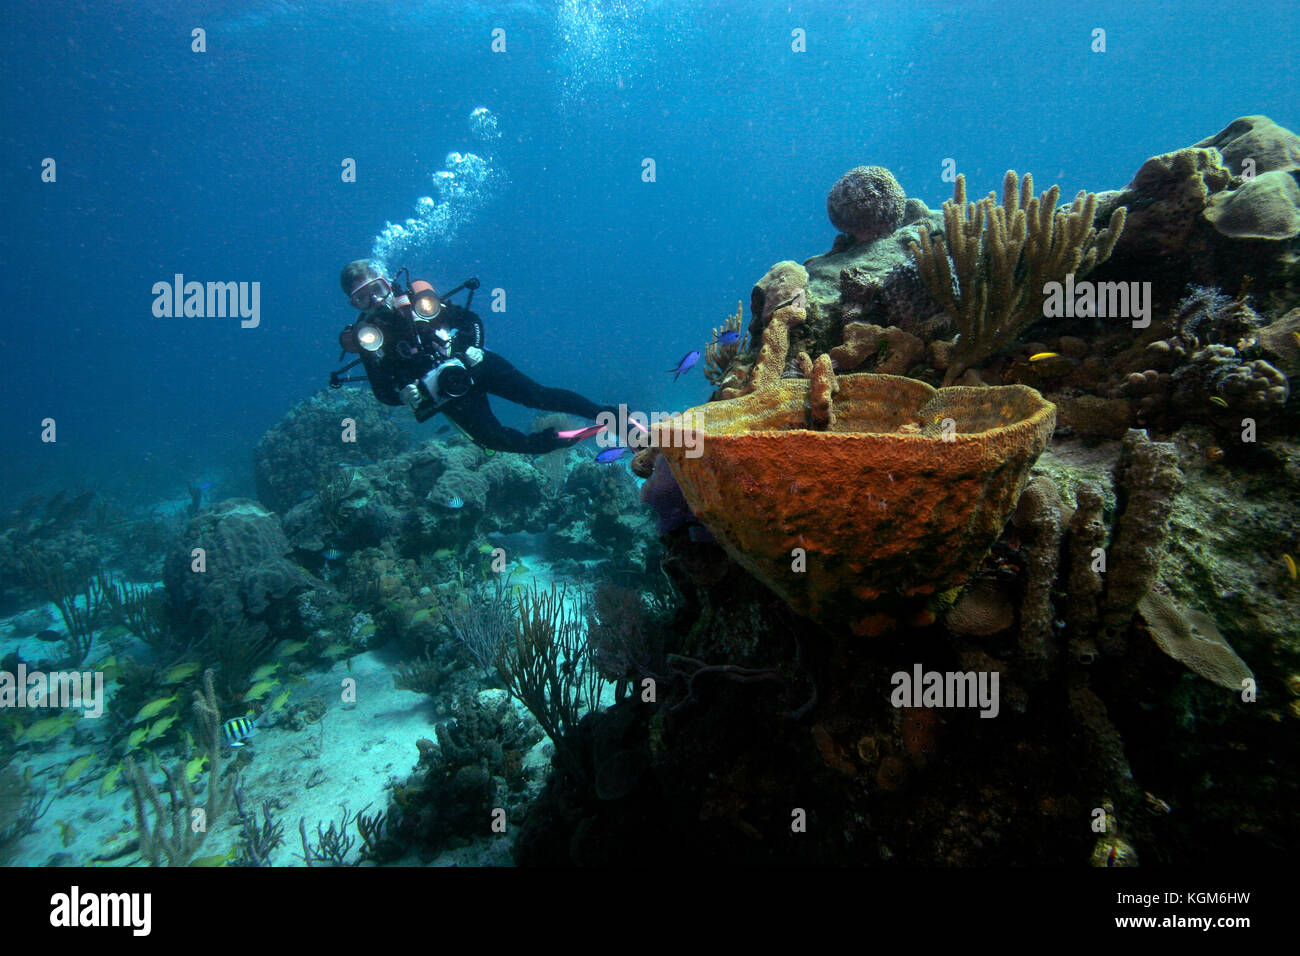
column 110, row 668
column 1297, row 337
column 66, row 833
column 194, row 768
column 485, row 549
column 74, row 769
column 160, row 727
column 1290, row 565
column 292, row 648
column 109, row 783
column 1218, row 401
column 180, row 672
column 46, row 729
column 279, row 702
column 334, row 651
column 136, row 738
column 443, row 553
column 261, row 689
column 263, row 672
column 217, row 860
column 1041, row 356
column 154, row 708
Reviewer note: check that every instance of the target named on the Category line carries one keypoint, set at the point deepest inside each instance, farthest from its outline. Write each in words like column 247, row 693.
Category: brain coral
column 867, row 203
column 901, row 497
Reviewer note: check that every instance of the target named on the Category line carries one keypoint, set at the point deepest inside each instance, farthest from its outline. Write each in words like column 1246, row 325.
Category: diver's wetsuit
column 492, row 376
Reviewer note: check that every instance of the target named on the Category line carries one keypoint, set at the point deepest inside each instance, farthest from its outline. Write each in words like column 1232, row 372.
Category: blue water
column 225, row 166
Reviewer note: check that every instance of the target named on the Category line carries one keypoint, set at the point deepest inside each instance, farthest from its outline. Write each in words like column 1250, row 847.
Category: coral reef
column 867, row 203
column 310, row 442
column 778, row 303
column 1147, row 481
column 766, row 487
column 1193, row 639
column 1002, row 256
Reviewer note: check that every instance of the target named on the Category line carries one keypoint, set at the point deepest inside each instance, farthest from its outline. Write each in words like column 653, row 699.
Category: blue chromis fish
column 730, row 337
column 237, row 730
column 686, row 364
column 611, row 454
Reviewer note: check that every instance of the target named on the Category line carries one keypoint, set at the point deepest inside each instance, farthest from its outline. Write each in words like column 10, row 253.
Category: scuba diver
column 420, row 350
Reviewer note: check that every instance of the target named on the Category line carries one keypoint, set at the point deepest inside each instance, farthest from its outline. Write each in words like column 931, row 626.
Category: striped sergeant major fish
column 236, row 731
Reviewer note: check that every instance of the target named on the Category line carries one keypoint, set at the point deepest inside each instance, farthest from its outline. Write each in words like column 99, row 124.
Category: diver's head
column 364, row 286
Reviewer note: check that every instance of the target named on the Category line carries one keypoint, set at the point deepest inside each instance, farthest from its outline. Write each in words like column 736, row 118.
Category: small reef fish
column 1297, row 337
column 46, row 729
column 154, row 708
column 485, row 549
column 136, row 738
column 263, row 672
column 1291, row 568
column 443, row 553
column 611, row 454
column 280, row 701
column 109, row 783
column 455, row 501
column 160, row 727
column 331, row 554
column 1215, row 399
column 237, row 730
column 333, row 652
column 1044, row 356
column 686, row 364
column 194, row 768
column 75, row 769
column 261, row 689
column 581, row 434
column 48, row 636
column 215, row 860
column 66, row 833
column 110, row 669
column 730, row 337
column 181, row 672
column 292, row 648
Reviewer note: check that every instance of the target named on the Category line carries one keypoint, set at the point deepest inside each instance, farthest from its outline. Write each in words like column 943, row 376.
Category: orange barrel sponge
column 901, row 497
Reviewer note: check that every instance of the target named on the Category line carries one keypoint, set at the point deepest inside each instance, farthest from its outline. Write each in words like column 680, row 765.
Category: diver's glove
column 473, row 355
column 412, row 395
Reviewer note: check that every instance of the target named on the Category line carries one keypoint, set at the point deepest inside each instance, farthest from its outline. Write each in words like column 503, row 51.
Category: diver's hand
column 411, row 395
